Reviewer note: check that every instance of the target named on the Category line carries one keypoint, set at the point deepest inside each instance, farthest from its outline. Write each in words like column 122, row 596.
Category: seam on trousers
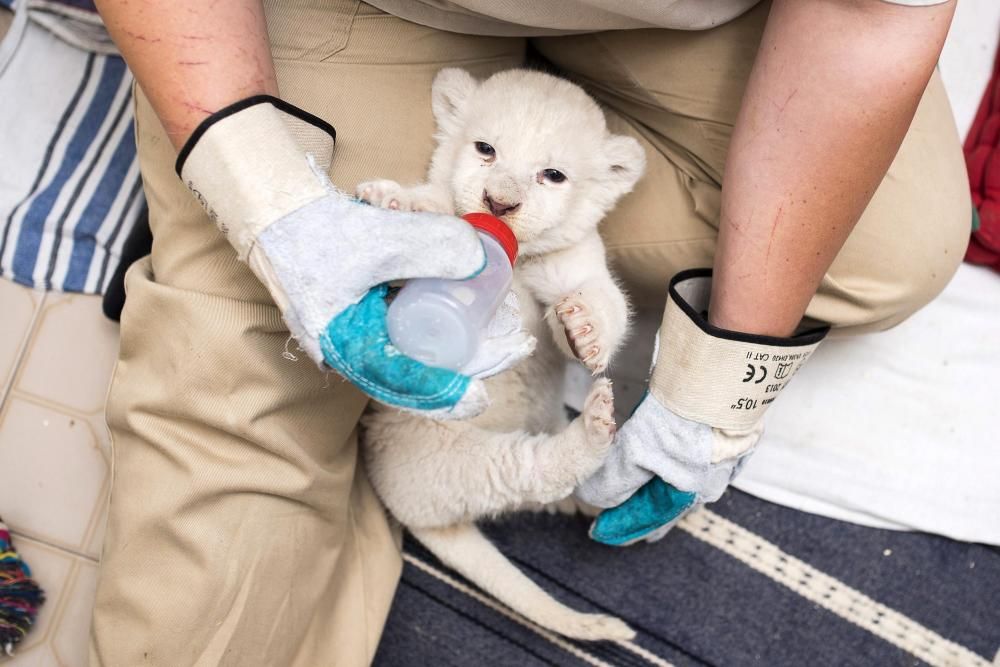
column 284, row 20
column 92, row 645
column 348, row 33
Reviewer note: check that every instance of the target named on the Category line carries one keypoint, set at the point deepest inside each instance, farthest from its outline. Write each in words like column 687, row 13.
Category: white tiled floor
column 56, row 356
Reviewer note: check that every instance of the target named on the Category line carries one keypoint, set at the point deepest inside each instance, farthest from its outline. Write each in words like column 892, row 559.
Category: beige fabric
column 6, row 18
column 248, row 171
column 314, row 141
column 242, row 531
column 551, row 17
column 519, row 18
column 679, row 92
column 725, row 383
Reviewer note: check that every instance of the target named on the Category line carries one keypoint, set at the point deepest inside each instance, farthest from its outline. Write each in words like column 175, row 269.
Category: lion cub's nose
column 499, row 208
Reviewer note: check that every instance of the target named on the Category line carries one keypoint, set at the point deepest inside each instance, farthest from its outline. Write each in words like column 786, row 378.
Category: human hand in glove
column 259, row 169
column 699, row 421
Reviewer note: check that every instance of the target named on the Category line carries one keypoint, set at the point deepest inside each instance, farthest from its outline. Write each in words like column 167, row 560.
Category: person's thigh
column 679, row 93
column 242, row 529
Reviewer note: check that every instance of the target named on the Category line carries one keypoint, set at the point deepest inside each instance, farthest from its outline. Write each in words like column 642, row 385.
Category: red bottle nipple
column 496, row 228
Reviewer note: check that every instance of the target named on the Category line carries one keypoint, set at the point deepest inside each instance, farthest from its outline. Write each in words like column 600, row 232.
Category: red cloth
column 982, row 158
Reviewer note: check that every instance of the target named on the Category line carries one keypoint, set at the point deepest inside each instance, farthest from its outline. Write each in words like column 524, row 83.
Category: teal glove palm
column 661, row 465
column 259, row 169
column 698, row 423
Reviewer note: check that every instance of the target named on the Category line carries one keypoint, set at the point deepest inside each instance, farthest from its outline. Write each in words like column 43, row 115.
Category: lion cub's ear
column 627, row 162
column 450, row 93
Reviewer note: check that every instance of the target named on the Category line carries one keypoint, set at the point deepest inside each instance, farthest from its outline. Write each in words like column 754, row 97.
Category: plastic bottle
column 441, row 322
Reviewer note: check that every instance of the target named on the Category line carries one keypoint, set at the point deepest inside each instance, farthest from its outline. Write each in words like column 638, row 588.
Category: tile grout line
column 57, row 614
column 34, row 641
column 58, row 547
column 98, row 512
column 41, row 401
column 70, row 592
column 96, row 515
column 23, row 347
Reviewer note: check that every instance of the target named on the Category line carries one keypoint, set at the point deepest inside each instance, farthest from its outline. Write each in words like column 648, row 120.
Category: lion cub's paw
column 382, row 193
column 598, row 416
column 390, row 194
column 584, row 333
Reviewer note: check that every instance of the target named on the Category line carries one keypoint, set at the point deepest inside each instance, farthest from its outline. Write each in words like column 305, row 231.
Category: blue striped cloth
column 743, row 582
column 70, row 189
column 83, row 5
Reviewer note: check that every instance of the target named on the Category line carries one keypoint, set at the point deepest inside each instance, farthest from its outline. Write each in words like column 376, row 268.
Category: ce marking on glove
column 754, row 371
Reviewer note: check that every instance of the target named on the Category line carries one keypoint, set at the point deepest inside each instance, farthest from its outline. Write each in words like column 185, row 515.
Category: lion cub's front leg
column 588, row 312
column 390, row 194
column 594, row 317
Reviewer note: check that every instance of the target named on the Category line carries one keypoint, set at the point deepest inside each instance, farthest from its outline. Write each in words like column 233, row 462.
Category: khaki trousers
column 242, row 529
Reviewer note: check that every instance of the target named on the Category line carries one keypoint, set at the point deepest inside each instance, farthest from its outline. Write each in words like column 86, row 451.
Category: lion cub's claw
column 392, row 195
column 583, row 333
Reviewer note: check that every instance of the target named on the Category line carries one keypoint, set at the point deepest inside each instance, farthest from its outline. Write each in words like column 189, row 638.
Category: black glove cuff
column 236, row 107
column 690, row 290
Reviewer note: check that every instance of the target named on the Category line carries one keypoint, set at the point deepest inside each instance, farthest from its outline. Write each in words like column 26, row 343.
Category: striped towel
column 69, row 178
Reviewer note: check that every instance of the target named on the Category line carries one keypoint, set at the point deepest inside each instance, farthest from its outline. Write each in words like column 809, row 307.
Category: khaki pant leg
column 679, row 93
column 242, row 528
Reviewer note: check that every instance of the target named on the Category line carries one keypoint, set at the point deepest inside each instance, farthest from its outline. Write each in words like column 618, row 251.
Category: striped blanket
column 745, row 582
column 69, row 178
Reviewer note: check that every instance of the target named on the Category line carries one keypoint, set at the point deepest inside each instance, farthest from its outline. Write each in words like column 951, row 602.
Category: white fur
column 437, row 478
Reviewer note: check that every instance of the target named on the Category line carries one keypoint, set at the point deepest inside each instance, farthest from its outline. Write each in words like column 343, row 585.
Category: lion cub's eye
column 554, row 175
column 485, row 149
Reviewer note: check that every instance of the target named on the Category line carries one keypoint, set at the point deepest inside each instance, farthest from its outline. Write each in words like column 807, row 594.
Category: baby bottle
column 440, row 322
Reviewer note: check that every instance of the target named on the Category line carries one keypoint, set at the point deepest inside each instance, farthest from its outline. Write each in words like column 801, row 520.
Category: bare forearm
column 192, row 57
column 831, row 95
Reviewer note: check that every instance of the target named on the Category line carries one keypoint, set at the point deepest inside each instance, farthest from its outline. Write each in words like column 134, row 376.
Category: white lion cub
column 533, row 150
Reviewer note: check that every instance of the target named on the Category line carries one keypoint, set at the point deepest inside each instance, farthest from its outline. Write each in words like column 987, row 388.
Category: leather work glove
column 259, row 169
column 698, row 422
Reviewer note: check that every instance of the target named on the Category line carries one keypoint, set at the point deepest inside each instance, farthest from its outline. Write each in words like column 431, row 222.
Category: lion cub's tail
column 467, row 551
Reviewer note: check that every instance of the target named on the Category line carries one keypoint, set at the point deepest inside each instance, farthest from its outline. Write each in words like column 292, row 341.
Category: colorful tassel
column 20, row 596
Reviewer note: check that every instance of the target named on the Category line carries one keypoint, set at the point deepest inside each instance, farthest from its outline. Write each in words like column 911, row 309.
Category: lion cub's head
column 532, row 149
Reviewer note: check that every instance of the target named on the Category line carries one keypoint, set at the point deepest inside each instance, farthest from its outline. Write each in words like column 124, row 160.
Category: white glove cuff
column 254, row 162
column 717, row 377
